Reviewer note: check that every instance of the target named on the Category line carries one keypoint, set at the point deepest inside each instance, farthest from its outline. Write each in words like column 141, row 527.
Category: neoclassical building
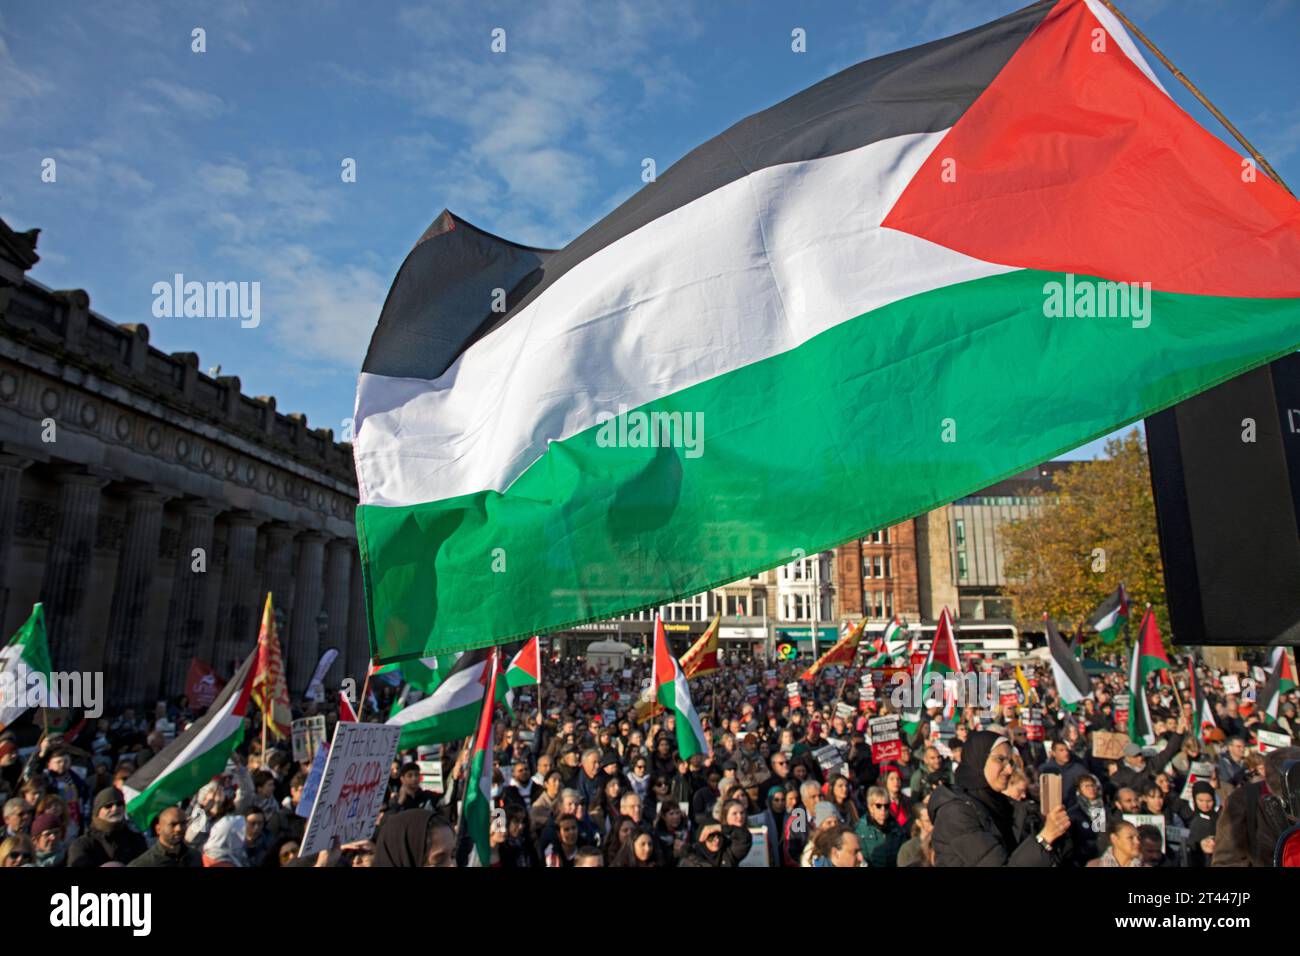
column 151, row 507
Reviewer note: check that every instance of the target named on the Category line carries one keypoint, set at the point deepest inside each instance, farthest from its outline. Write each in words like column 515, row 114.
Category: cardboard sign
column 757, row 855
column 1270, row 740
column 1149, row 819
column 353, row 786
column 1108, row 746
column 308, row 735
column 1231, row 684
column 885, row 743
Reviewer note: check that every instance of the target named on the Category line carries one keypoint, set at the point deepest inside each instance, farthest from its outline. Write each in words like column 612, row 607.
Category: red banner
column 202, row 685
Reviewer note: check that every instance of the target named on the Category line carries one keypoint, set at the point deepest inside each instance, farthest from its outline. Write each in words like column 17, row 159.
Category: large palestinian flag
column 824, row 298
column 196, row 756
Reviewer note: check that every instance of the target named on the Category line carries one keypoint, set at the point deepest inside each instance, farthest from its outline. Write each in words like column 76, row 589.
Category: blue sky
column 225, row 165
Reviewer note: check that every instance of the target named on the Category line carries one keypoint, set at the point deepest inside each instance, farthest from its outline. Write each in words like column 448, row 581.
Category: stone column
column 189, row 599
column 277, row 571
column 237, row 611
column 338, row 595
column 11, row 473
column 304, row 639
column 132, row 664
column 358, row 635
column 68, row 565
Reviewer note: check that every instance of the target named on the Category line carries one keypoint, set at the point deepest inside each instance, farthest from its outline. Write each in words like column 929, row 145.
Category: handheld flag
column 195, row 756
column 983, row 201
column 25, row 669
column 700, row 659
column 673, row 693
column 941, row 661
column 842, row 652
column 478, row 791
column 346, row 713
column 526, row 668
column 1203, row 713
column 1148, row 657
column 1281, row 680
column 451, row 709
column 270, row 692
column 1072, row 682
column 1110, row 620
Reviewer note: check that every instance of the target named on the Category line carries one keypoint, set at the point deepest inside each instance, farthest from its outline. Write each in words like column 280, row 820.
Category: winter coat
column 159, row 855
column 100, row 845
column 965, row 835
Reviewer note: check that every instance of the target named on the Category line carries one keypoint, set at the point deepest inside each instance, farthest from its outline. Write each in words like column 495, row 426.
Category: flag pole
column 365, row 691
column 1182, row 78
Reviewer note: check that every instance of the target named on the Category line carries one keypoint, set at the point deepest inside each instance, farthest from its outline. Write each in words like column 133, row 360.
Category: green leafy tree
column 1065, row 559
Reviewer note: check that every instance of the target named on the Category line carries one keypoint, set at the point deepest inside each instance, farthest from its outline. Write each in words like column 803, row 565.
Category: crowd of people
column 586, row 777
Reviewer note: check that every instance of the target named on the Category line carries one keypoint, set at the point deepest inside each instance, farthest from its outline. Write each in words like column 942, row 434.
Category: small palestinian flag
column 1281, row 680
column 526, row 668
column 1024, row 195
column 25, row 669
column 1204, row 713
column 1111, row 617
column 1147, row 658
column 451, row 710
column 842, row 653
column 700, row 660
column 943, row 661
column 346, row 713
column 1072, row 681
column 673, row 693
column 195, row 756
column 478, row 790
column 890, row 646
column 270, row 692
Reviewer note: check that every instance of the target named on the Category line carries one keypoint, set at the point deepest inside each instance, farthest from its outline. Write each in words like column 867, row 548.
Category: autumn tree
column 1065, row 559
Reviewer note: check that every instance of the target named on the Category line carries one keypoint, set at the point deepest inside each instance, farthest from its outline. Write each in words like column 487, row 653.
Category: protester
column 108, row 839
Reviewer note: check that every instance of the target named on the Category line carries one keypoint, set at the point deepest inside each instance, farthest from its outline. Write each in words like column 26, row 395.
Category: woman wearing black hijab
column 415, row 838
column 974, row 822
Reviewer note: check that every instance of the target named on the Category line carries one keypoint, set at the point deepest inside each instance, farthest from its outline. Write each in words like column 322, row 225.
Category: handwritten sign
column 353, row 786
column 1231, row 684
column 1108, row 746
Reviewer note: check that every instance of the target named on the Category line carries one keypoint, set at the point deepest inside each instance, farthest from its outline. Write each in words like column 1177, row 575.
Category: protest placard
column 429, row 760
column 1033, row 723
column 353, row 786
column 1108, row 746
column 885, row 742
column 1231, row 684
column 1121, row 705
column 308, row 733
column 792, row 694
column 844, row 711
column 829, row 758
column 771, row 678
column 1196, row 771
column 1149, row 819
column 757, row 855
column 1007, row 696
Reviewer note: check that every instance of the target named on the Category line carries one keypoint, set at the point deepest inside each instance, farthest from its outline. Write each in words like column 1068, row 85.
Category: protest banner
column 308, row 735
column 353, row 786
column 1108, row 746
column 1270, row 740
column 885, row 743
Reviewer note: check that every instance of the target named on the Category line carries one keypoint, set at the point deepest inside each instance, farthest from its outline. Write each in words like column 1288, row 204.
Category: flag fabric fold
column 1111, row 617
column 478, row 790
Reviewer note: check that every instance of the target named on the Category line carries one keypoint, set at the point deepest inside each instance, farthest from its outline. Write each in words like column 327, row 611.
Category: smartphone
column 1049, row 792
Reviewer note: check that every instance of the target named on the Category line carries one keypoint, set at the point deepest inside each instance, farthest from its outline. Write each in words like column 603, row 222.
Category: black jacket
column 178, row 856
column 97, row 846
column 965, row 835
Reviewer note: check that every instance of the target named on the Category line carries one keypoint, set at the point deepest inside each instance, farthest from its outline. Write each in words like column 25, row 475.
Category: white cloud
column 196, row 103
